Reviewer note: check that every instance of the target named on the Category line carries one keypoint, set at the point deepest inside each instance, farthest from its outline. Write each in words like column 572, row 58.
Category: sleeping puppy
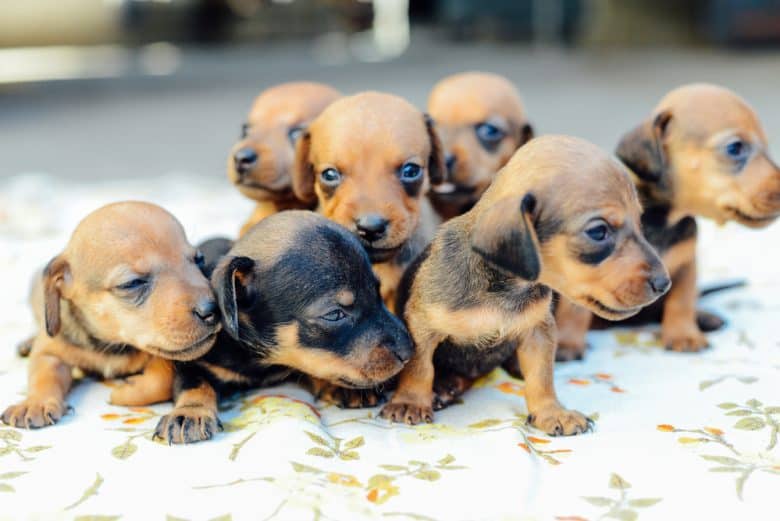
column 299, row 300
column 702, row 152
column 259, row 164
column 124, row 297
column 367, row 162
column 481, row 122
column 560, row 216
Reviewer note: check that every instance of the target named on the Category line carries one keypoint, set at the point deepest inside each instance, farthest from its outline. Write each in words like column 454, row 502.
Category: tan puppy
column 481, row 122
column 124, row 297
column 259, row 164
column 561, row 215
column 701, row 152
column 367, row 162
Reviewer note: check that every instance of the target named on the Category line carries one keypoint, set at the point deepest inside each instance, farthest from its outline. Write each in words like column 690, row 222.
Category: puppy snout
column 206, row 311
column 659, row 283
column 450, row 161
column 371, row 227
column 245, row 159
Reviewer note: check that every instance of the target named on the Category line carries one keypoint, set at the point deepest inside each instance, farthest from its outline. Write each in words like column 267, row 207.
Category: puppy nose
column 371, row 227
column 659, row 283
column 206, row 311
column 245, row 159
column 450, row 160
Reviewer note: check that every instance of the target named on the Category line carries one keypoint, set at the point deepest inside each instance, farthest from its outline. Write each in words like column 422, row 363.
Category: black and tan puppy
column 367, row 162
column 561, row 215
column 481, row 121
column 702, row 152
column 124, row 297
column 299, row 299
column 259, row 164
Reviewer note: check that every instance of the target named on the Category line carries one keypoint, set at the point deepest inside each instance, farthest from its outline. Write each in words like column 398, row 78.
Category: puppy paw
column 709, row 321
column 567, row 351
column 350, row 398
column 557, row 421
column 24, row 348
column 188, row 425
column 684, row 339
column 407, row 412
column 34, row 413
column 137, row 391
column 448, row 388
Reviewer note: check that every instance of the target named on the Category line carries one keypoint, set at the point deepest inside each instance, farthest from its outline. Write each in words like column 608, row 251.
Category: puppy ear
column 53, row 278
column 231, row 282
column 525, row 134
column 303, row 170
column 504, row 236
column 642, row 149
column 437, row 170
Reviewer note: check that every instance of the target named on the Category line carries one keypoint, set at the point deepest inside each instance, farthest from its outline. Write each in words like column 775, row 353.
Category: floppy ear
column 642, row 149
column 231, row 282
column 525, row 134
column 504, row 236
column 53, row 277
column 437, row 170
column 303, row 170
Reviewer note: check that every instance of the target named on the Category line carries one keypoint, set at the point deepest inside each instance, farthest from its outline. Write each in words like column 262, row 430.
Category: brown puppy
column 481, row 122
column 702, row 152
column 259, row 164
column 367, row 162
column 124, row 297
column 561, row 215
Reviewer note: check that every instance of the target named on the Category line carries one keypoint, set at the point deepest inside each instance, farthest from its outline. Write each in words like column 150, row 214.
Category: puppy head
column 565, row 214
column 300, row 290
column 704, row 148
column 259, row 164
column 129, row 276
column 481, row 122
column 368, row 159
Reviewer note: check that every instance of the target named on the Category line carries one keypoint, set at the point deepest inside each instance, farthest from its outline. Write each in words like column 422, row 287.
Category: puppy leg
column 194, row 417
column 153, row 385
column 341, row 396
column 679, row 330
column 49, row 381
column 448, row 387
column 573, row 323
column 535, row 356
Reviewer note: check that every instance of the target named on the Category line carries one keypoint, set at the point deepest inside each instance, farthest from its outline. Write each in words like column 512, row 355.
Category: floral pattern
column 672, row 430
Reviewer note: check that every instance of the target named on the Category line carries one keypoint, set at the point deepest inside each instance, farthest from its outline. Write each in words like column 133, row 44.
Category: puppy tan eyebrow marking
column 345, row 298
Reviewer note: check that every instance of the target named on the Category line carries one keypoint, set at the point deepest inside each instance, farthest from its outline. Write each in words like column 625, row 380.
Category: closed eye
column 133, row 284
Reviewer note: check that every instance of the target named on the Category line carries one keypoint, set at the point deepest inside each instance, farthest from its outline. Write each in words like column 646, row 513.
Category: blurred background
column 99, row 89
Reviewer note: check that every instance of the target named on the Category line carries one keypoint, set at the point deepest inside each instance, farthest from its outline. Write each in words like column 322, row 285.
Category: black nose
column 660, row 284
column 450, row 160
column 206, row 311
column 244, row 159
column 371, row 227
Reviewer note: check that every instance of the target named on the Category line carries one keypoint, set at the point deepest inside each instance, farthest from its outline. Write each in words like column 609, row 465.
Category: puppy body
column 481, row 121
column 703, row 153
column 482, row 291
column 125, row 296
column 367, row 162
column 299, row 299
column 259, row 164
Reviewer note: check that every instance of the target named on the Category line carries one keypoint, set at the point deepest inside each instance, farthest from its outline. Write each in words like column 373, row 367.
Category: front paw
column 683, row 339
column 350, row 398
column 709, row 321
column 557, row 421
column 188, row 425
column 408, row 409
column 34, row 413
column 568, row 351
column 448, row 388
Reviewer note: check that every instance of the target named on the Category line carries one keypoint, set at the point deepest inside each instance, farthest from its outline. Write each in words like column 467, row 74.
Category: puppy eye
column 334, row 316
column 294, row 134
column 598, row 233
column 198, row 259
column 737, row 150
column 411, row 172
column 330, row 177
column 489, row 135
column 244, row 129
column 132, row 285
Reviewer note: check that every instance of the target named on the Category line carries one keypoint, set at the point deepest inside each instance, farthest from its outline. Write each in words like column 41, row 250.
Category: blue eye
column 198, row 259
column 330, row 177
column 134, row 284
column 489, row 135
column 294, row 134
column 334, row 316
column 598, row 233
column 738, row 150
column 411, row 172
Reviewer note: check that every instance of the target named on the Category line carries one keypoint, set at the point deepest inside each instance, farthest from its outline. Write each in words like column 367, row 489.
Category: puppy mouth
column 254, row 185
column 608, row 312
column 751, row 220
column 447, row 191
column 190, row 352
column 376, row 254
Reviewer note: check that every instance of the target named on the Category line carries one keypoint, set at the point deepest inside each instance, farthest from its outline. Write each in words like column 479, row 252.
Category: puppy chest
column 472, row 360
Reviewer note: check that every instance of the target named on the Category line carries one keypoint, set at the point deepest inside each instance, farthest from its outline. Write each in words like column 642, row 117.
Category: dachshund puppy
column 367, row 162
column 299, row 300
column 481, row 122
column 560, row 216
column 124, row 297
column 259, row 164
column 702, row 152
